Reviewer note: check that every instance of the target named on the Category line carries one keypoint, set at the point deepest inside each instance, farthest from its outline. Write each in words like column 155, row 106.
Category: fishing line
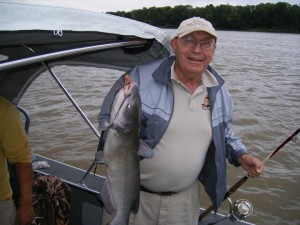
column 239, row 183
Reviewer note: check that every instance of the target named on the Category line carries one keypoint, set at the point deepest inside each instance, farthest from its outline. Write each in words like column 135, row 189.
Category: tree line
column 278, row 17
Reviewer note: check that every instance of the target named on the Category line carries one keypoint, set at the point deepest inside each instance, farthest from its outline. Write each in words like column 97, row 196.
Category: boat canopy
column 35, row 35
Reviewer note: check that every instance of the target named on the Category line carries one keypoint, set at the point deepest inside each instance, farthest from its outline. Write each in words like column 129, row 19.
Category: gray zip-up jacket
column 156, row 92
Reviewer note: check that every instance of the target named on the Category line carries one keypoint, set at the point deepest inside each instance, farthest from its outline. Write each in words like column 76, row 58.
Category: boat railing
column 27, row 118
column 69, row 52
column 60, row 84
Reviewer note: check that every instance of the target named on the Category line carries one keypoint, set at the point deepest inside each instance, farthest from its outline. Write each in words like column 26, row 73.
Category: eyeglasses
column 190, row 41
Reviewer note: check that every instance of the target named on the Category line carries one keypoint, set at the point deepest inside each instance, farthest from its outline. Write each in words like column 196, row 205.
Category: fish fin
column 145, row 150
column 103, row 124
column 107, row 198
column 99, row 157
column 136, row 206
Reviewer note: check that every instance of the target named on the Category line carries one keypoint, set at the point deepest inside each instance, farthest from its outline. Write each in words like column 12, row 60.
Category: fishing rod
column 239, row 183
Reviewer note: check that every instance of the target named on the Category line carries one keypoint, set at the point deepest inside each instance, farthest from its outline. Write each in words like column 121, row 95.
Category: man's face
column 193, row 52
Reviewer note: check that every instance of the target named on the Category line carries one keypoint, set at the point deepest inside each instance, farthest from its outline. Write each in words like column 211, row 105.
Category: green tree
column 265, row 17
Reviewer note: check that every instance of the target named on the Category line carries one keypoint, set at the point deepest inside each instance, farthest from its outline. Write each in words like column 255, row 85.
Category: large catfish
column 121, row 189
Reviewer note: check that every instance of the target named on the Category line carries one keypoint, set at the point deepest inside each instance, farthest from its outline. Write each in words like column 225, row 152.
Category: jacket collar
column 160, row 73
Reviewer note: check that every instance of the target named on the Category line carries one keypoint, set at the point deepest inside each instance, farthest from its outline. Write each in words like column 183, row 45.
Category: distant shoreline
column 280, row 17
column 287, row 31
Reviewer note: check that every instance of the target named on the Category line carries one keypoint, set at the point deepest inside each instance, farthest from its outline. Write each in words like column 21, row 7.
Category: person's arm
column 238, row 155
column 236, row 151
column 25, row 211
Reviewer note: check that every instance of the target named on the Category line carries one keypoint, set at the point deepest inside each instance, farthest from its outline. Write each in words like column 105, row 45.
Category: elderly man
column 187, row 121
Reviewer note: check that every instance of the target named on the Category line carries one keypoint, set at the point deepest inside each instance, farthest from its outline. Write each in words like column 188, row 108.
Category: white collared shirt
column 180, row 154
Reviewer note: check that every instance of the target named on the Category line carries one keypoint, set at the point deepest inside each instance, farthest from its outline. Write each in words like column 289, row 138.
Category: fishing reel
column 240, row 209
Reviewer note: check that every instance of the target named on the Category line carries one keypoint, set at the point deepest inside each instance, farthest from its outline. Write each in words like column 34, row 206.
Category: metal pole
column 68, row 95
column 72, row 101
column 65, row 53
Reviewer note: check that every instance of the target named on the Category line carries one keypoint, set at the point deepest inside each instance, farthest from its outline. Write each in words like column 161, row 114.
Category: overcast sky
column 128, row 5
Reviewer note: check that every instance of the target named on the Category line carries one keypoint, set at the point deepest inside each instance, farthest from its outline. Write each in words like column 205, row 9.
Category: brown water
column 261, row 71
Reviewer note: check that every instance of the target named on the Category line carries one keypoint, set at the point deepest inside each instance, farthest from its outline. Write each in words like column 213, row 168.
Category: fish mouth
column 130, row 88
column 128, row 84
column 127, row 88
column 127, row 100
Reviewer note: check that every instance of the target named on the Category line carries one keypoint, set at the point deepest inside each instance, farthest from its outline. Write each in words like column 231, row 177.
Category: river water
column 261, row 71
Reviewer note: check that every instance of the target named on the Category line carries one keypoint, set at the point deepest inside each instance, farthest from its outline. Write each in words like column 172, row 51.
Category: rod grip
column 236, row 186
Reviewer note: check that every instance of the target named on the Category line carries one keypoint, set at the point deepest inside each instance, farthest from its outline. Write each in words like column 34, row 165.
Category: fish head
column 126, row 108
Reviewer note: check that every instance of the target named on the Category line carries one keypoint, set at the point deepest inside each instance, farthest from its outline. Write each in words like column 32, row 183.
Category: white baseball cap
column 195, row 24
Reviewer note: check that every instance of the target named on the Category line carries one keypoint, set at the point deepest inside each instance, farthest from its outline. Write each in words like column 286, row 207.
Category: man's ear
column 173, row 44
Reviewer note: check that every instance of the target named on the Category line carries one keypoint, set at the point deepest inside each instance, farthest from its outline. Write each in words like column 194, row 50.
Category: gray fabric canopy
column 31, row 33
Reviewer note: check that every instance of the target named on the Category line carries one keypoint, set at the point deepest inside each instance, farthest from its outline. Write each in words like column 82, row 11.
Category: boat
column 35, row 37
